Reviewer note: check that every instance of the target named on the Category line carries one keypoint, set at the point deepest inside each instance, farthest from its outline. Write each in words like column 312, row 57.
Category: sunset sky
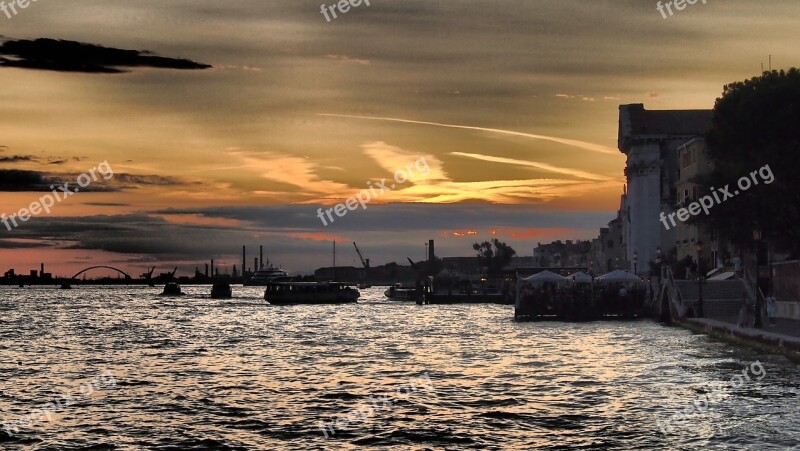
column 512, row 103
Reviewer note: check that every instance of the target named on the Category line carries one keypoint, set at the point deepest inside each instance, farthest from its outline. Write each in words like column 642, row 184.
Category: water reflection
column 194, row 373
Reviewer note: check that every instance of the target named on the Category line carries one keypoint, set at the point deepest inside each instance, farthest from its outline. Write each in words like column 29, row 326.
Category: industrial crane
column 364, row 262
column 148, row 276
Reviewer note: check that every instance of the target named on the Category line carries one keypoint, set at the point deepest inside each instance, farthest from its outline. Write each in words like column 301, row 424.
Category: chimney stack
column 431, row 252
column 206, row 269
column 41, row 273
column 212, row 267
column 261, row 256
column 244, row 260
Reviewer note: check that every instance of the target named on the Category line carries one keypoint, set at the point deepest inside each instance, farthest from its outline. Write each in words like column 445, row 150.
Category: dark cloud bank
column 72, row 56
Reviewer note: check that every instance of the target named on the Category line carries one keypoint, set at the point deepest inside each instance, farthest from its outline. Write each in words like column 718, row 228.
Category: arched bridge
column 127, row 276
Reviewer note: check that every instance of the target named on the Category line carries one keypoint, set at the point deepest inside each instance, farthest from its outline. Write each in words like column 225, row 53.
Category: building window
column 688, row 158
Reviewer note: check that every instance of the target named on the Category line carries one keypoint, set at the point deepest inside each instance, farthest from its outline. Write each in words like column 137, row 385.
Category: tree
column 494, row 255
column 756, row 127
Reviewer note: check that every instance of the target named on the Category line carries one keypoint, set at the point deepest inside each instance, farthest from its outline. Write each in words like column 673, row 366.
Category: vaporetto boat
column 286, row 293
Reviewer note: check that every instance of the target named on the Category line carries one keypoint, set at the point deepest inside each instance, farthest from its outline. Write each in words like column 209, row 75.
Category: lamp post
column 757, row 322
column 700, row 278
column 635, row 263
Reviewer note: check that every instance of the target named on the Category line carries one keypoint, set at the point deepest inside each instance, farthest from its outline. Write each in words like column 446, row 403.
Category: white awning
column 618, row 276
column 723, row 276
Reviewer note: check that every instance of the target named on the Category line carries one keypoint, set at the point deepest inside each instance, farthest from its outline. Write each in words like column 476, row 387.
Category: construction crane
column 363, row 262
column 148, row 276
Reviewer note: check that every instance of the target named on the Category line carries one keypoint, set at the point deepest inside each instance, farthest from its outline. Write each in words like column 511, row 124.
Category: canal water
column 124, row 369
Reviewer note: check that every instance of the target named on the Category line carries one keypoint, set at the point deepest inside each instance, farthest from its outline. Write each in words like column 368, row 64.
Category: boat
column 222, row 289
column 401, row 293
column 172, row 289
column 264, row 276
column 451, row 289
column 363, row 286
column 287, row 293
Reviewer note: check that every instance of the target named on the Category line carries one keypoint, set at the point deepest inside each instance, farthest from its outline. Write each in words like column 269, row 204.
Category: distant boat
column 66, row 286
column 264, row 276
column 362, row 286
column 222, row 289
column 287, row 293
column 172, row 289
column 402, row 293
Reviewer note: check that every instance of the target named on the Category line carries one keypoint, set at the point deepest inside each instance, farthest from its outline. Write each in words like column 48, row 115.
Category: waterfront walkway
column 783, row 338
column 787, row 327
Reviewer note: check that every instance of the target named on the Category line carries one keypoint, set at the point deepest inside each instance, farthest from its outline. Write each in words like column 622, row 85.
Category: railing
column 673, row 294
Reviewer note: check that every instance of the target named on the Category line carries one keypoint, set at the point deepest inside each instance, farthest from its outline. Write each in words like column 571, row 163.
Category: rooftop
column 636, row 121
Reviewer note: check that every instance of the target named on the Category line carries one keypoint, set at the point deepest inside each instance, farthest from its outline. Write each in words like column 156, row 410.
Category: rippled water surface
column 196, row 373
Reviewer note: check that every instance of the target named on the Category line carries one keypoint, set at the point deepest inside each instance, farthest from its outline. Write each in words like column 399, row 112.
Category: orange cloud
column 460, row 233
column 535, row 233
column 318, row 236
column 201, row 220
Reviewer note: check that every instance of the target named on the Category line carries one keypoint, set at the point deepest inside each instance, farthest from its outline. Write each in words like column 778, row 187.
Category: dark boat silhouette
column 221, row 289
column 401, row 293
column 172, row 289
column 287, row 293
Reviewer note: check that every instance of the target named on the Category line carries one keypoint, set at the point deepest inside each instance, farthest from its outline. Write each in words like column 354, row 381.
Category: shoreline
column 758, row 339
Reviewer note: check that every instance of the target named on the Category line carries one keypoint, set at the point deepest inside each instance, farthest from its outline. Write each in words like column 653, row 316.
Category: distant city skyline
column 234, row 124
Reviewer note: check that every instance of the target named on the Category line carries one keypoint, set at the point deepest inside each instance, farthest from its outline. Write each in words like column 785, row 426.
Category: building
column 608, row 251
column 650, row 140
column 560, row 254
column 693, row 162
